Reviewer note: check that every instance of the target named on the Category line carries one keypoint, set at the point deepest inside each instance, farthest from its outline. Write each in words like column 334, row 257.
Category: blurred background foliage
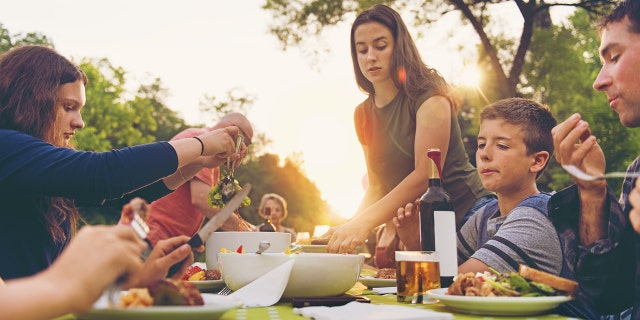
column 554, row 63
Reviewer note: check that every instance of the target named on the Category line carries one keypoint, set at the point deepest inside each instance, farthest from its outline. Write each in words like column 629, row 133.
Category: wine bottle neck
column 435, row 182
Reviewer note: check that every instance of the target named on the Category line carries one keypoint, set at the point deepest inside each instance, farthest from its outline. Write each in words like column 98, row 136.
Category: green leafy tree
column 112, row 121
column 295, row 20
column 169, row 123
column 7, row 41
column 305, row 204
column 266, row 173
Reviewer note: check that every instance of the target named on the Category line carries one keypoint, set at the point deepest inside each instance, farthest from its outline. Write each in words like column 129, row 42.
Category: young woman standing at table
column 410, row 108
column 41, row 175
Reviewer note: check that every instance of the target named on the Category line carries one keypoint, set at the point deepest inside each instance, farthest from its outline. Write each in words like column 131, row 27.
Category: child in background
column 278, row 206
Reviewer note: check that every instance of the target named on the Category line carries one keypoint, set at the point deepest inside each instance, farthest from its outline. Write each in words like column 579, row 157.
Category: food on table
column 527, row 282
column 366, row 272
column 135, row 297
column 563, row 285
column 386, row 273
column 240, row 249
column 197, row 273
column 175, row 293
column 163, row 293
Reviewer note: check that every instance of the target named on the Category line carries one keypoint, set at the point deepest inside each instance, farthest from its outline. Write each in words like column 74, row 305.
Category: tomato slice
column 191, row 271
column 239, row 250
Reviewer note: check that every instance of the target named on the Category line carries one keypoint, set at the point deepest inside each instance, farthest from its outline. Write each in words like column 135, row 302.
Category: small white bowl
column 313, row 274
column 280, row 241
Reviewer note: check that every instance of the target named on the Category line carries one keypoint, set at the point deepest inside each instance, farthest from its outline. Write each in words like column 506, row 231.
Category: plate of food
column 528, row 292
column 385, row 277
column 206, row 280
column 139, row 304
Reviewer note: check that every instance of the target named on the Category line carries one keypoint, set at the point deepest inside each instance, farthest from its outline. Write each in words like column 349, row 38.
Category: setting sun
column 469, row 76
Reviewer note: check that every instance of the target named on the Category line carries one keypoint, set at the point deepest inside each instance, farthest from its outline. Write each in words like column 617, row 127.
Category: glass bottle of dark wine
column 267, row 226
column 438, row 222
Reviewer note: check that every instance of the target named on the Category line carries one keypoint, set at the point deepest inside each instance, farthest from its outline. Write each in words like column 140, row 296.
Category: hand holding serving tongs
column 227, row 185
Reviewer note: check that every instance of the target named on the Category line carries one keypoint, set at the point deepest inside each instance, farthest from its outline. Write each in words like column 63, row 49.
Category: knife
column 214, row 223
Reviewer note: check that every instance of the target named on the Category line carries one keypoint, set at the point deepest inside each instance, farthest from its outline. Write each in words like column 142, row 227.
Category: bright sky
column 204, row 47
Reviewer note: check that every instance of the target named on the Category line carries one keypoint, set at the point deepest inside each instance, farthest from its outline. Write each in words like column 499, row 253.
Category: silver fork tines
column 576, row 172
column 225, row 291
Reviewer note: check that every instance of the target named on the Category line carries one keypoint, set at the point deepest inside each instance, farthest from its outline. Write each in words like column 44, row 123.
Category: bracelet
column 201, row 145
column 182, row 175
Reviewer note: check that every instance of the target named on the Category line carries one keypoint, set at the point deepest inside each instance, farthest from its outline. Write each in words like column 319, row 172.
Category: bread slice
column 558, row 283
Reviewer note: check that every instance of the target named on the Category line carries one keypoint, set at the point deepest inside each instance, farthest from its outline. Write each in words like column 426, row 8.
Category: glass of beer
column 416, row 273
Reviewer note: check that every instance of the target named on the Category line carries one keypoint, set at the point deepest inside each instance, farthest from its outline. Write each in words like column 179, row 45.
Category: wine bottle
column 267, row 226
column 438, row 222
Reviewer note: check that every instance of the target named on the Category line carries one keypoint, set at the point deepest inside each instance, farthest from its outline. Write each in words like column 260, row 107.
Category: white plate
column 372, row 282
column 497, row 306
column 209, row 285
column 214, row 307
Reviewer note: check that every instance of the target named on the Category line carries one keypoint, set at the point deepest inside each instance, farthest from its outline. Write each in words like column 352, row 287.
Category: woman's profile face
column 71, row 98
column 374, row 46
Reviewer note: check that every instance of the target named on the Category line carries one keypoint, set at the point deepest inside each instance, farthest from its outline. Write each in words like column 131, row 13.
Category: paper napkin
column 266, row 290
column 385, row 290
column 357, row 310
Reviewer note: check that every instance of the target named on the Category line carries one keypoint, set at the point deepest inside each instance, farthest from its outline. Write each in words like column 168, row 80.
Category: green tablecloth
column 284, row 310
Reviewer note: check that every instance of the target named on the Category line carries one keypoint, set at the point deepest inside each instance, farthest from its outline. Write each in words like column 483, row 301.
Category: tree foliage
column 267, row 175
column 294, row 20
column 8, row 41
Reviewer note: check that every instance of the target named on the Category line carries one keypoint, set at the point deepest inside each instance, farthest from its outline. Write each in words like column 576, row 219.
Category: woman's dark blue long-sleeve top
column 31, row 170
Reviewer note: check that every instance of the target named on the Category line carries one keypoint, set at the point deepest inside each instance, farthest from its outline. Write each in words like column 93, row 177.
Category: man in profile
column 599, row 245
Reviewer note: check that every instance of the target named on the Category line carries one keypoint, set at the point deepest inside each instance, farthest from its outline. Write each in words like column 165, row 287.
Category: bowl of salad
column 312, row 275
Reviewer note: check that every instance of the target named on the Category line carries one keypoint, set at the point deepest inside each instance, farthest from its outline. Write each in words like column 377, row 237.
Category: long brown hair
column 30, row 77
column 419, row 77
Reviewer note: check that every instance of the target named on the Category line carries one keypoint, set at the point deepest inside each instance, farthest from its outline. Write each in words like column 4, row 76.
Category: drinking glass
column 416, row 273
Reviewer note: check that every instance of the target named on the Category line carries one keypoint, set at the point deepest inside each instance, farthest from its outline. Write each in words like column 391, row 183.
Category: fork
column 225, row 291
column 141, row 229
column 576, row 172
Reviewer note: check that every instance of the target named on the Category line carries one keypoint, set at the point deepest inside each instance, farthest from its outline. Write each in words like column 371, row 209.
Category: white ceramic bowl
column 280, row 241
column 313, row 274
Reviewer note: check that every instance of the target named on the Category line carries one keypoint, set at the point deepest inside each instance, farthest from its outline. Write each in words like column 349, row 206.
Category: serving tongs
column 227, row 184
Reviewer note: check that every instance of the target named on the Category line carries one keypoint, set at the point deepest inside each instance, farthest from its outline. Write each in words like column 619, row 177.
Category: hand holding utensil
column 216, row 222
column 141, row 229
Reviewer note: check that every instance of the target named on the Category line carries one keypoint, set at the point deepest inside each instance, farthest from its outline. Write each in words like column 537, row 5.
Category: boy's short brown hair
column 534, row 119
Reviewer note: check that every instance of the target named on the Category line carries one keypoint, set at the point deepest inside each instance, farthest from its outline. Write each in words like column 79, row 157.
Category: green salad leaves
column 514, row 285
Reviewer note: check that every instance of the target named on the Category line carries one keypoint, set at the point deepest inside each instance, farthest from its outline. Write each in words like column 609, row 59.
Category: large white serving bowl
column 312, row 275
column 280, row 241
